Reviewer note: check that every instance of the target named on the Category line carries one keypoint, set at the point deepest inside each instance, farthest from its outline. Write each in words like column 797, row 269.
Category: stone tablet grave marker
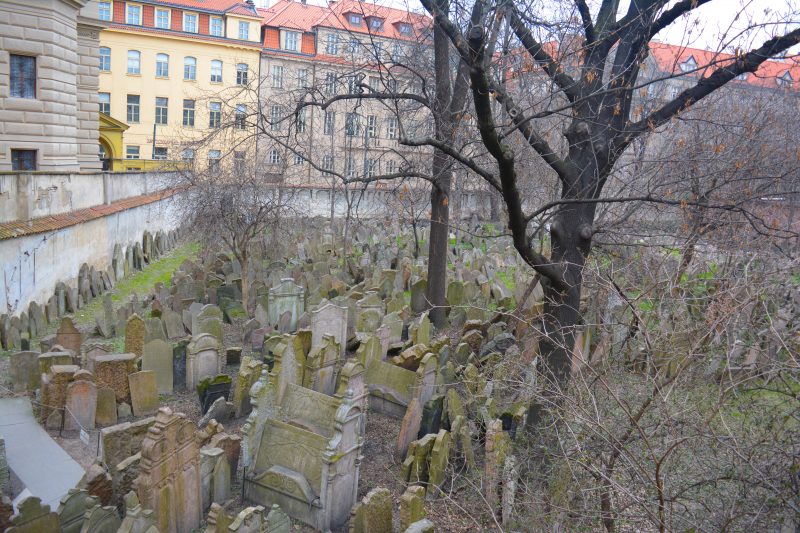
column 134, row 335
column 144, row 393
column 157, row 356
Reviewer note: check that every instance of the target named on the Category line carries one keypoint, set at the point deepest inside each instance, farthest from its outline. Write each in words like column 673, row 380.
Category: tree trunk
column 437, row 245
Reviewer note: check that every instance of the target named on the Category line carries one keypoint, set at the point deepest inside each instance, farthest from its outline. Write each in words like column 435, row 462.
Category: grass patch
column 141, row 282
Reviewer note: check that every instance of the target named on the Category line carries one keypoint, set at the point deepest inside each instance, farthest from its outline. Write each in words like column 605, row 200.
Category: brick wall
column 148, row 16
column 119, row 12
column 177, row 20
column 203, row 24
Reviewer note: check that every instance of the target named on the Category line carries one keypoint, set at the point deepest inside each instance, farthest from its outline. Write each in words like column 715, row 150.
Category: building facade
column 48, row 85
column 170, row 70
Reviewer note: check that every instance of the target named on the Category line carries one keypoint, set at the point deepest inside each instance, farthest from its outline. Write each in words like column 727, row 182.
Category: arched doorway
column 106, row 154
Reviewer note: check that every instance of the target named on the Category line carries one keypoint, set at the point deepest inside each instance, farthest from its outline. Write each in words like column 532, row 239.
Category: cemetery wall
column 34, row 264
column 24, row 196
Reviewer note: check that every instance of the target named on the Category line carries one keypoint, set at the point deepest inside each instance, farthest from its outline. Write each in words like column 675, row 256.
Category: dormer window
column 785, row 79
column 375, row 24
column 742, row 77
column 404, row 28
column 355, row 19
column 689, row 65
column 291, row 40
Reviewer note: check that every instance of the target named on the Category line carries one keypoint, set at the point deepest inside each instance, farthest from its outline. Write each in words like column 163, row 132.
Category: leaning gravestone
column 157, row 356
column 134, row 335
column 173, row 323
column 329, row 319
column 286, row 297
column 144, row 393
column 154, row 329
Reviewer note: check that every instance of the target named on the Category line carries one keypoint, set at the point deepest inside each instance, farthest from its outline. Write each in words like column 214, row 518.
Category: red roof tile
column 669, row 59
column 19, row 228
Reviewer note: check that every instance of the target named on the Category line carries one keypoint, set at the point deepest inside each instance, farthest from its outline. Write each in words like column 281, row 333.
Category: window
column 275, row 118
column 241, row 74
column 373, row 166
column 784, row 80
column 162, row 66
column 372, row 126
column 327, row 163
column 354, row 45
column 391, row 166
column 105, row 59
column 161, row 110
column 673, row 92
column 329, row 123
column 374, row 83
column 133, row 108
column 133, row 15
column 23, row 159
column 355, row 19
column 689, row 65
column 391, row 128
column 277, row 76
column 189, row 68
column 190, row 22
column 353, row 84
column 274, row 157
column 391, row 84
column 351, row 125
column 216, row 26
column 240, row 119
column 134, row 62
column 742, row 76
column 214, row 114
column 300, row 121
column 291, row 40
column 188, row 113
column 104, row 11
column 216, row 71
column 213, row 160
column 131, row 152
column 350, row 167
column 23, row 76
column 105, row 102
column 330, row 83
column 302, row 78
column 375, row 24
column 160, row 153
column 299, row 159
column 188, row 155
column 397, row 51
column 405, row 29
column 239, row 161
column 162, row 18
column 244, row 30
column 332, row 44
column 378, row 47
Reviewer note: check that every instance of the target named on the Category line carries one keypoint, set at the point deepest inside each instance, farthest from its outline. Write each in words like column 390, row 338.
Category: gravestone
column 169, row 475
column 33, row 517
column 174, row 324
column 144, row 393
column 203, row 359
column 329, row 319
column 72, row 508
column 419, row 302
column 154, row 329
column 106, row 412
column 286, row 298
column 112, row 371
column 91, row 349
column 157, row 356
column 68, row 335
column 179, row 365
column 134, row 335
column 81, row 403
column 24, row 371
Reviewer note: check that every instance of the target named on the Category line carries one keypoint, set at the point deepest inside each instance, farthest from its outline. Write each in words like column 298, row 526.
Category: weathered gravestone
column 157, row 356
column 286, row 298
column 134, row 335
column 106, row 412
column 68, row 335
column 154, row 329
column 81, row 402
column 112, row 371
column 169, row 478
column 419, row 301
column 72, row 508
column 33, row 517
column 173, row 324
column 203, row 359
column 24, row 371
column 144, row 392
column 179, row 364
column 329, row 319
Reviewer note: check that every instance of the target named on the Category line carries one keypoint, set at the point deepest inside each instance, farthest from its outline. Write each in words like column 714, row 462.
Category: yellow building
column 171, row 71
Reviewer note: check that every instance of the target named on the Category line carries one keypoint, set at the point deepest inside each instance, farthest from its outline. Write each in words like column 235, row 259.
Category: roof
column 305, row 17
column 237, row 7
column 669, row 58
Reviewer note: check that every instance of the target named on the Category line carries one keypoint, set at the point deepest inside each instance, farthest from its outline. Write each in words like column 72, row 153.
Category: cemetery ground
column 330, row 399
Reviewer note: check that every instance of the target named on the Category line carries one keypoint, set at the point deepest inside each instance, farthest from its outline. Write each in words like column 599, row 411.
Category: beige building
column 172, row 71
column 48, row 85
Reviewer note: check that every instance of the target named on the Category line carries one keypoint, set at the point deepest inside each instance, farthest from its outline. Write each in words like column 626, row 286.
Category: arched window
column 134, row 62
column 162, row 66
column 216, row 71
column 189, row 68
